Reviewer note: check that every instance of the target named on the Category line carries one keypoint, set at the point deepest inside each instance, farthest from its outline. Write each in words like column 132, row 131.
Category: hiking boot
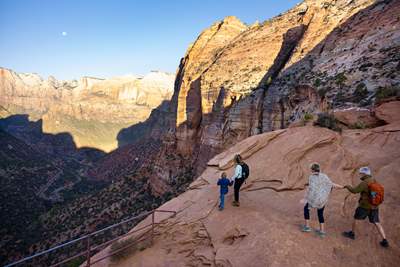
column 320, row 233
column 305, row 229
column 384, row 243
column 235, row 203
column 349, row 234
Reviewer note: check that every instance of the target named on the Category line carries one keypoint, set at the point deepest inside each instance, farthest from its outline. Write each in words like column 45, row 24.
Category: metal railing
column 90, row 248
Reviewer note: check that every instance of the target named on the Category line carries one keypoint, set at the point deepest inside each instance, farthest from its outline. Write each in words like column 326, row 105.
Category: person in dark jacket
column 365, row 209
column 223, row 183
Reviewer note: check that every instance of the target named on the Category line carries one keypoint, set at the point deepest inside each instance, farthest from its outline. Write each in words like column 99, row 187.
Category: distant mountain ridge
column 92, row 109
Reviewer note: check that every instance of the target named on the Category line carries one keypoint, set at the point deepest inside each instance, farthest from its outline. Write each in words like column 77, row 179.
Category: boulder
column 357, row 118
column 388, row 112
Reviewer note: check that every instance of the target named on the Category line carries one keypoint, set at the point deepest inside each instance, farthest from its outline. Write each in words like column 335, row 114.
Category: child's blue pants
column 222, row 200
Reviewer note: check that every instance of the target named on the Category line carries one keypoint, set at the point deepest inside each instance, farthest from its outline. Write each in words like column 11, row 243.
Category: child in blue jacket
column 223, row 182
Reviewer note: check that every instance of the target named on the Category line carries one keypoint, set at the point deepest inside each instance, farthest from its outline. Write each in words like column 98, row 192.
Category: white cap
column 365, row 170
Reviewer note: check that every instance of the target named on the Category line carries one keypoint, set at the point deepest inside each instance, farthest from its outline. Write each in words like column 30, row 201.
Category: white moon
column 64, row 33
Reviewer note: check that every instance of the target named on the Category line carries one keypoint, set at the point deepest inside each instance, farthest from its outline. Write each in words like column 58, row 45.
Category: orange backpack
column 376, row 193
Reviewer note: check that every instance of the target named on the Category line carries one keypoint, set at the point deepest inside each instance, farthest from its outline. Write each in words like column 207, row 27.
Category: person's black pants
column 236, row 187
column 319, row 211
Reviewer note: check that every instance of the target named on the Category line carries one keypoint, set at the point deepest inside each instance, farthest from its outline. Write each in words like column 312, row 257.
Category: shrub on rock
column 328, row 121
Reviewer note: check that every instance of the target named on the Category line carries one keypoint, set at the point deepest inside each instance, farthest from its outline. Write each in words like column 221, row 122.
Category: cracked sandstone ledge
column 263, row 231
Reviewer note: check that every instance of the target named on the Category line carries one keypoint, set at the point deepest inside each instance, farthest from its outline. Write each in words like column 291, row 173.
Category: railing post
column 152, row 227
column 81, row 241
column 88, row 252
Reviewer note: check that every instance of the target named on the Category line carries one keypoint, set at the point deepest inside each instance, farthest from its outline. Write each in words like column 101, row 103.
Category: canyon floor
column 265, row 229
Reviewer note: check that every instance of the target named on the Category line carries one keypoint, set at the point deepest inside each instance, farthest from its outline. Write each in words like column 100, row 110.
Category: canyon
column 256, row 90
column 53, row 133
column 92, row 110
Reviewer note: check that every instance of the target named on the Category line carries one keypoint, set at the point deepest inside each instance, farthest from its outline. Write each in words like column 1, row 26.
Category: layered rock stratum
column 316, row 57
column 92, row 110
column 265, row 229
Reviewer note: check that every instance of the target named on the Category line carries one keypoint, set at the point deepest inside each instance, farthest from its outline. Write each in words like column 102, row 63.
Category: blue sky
column 106, row 38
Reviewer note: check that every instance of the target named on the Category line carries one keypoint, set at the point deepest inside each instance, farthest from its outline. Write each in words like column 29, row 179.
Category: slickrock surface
column 92, row 110
column 265, row 229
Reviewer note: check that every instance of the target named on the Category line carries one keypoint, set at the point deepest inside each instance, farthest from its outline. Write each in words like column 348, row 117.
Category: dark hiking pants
column 236, row 187
column 320, row 213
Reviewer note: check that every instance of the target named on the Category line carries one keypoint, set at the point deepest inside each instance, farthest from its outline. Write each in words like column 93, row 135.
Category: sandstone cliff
column 318, row 56
column 92, row 110
column 265, row 229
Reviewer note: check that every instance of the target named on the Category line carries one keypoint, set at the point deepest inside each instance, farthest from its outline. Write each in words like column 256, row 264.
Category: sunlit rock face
column 237, row 80
column 92, row 110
